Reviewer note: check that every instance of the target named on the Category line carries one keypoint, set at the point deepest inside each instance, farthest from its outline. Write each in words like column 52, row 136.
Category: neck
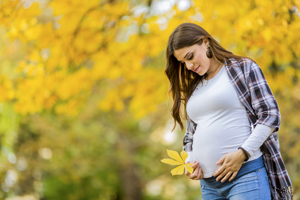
column 213, row 68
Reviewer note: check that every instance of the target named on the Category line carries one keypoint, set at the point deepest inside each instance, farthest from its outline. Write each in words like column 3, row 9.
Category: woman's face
column 194, row 57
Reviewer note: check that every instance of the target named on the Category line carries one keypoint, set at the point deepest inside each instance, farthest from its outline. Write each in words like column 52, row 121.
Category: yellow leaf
column 175, row 155
column 184, row 155
column 189, row 168
column 178, row 161
column 178, row 170
column 170, row 161
column 189, row 164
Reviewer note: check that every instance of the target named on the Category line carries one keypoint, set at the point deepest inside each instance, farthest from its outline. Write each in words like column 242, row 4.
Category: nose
column 189, row 65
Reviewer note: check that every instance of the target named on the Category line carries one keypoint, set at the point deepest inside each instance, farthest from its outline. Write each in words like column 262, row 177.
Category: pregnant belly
column 211, row 145
column 207, row 156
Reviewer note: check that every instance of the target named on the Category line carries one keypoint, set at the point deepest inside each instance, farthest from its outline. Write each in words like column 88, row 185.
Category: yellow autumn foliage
column 74, row 45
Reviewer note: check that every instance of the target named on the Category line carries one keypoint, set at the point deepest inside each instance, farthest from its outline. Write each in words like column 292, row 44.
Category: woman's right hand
column 197, row 173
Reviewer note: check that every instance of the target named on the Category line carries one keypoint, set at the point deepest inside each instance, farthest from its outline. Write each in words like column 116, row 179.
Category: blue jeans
column 253, row 185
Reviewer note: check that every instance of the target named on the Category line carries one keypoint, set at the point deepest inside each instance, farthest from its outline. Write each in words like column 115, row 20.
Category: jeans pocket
column 246, row 187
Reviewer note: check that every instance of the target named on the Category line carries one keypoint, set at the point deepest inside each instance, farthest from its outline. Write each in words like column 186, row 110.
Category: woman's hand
column 197, row 173
column 231, row 164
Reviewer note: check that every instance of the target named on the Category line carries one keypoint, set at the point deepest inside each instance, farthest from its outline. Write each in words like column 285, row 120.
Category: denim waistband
column 246, row 168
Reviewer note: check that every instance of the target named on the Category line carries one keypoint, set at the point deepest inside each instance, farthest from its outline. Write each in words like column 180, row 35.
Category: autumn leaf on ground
column 178, row 160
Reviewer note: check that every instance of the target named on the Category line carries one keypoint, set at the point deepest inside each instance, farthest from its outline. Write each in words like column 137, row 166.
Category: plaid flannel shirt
column 261, row 107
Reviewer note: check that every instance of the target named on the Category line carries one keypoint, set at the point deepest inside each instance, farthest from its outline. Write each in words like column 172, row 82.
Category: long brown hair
column 182, row 81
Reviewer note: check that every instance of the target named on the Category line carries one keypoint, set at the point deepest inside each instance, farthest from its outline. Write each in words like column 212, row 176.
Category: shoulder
column 242, row 62
column 244, row 70
column 244, row 65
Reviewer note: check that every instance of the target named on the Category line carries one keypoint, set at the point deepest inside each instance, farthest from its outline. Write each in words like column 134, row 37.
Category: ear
column 205, row 41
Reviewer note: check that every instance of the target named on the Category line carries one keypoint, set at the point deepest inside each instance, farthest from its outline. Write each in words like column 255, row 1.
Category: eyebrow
column 185, row 56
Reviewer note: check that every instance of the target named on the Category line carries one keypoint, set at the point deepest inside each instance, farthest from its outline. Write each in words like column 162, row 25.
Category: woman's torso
column 222, row 123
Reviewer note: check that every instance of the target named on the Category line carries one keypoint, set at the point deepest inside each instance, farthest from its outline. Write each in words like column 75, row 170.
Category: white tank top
column 222, row 123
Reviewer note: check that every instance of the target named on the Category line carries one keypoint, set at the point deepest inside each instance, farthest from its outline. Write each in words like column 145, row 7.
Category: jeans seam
column 259, row 183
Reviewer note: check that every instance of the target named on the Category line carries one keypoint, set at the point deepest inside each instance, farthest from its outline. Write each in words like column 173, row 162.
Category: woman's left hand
column 231, row 164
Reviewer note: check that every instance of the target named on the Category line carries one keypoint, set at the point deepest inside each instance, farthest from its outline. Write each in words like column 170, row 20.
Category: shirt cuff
column 257, row 138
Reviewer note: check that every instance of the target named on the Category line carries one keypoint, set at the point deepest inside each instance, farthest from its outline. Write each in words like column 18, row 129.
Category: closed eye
column 191, row 56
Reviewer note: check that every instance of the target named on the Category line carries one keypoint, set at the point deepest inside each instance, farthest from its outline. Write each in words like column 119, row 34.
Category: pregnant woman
column 232, row 119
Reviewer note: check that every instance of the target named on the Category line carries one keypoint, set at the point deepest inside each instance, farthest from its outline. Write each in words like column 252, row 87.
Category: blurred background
column 84, row 104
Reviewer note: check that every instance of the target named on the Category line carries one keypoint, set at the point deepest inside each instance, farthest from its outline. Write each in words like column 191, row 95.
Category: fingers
column 187, row 172
column 197, row 172
column 226, row 177
column 196, row 164
column 194, row 167
column 221, row 160
column 230, row 165
column 219, row 171
column 194, row 174
column 200, row 174
column 233, row 176
column 222, row 174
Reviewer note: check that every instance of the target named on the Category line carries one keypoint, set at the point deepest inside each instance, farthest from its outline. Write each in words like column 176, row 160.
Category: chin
column 201, row 73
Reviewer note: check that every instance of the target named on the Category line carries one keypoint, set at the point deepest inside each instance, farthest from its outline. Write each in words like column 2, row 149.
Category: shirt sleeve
column 257, row 138
column 262, row 99
column 188, row 139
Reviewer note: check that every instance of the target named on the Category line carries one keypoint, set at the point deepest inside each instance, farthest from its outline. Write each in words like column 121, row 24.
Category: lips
column 195, row 70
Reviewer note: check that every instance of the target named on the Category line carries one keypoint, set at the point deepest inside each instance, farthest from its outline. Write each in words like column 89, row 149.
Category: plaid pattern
column 256, row 95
